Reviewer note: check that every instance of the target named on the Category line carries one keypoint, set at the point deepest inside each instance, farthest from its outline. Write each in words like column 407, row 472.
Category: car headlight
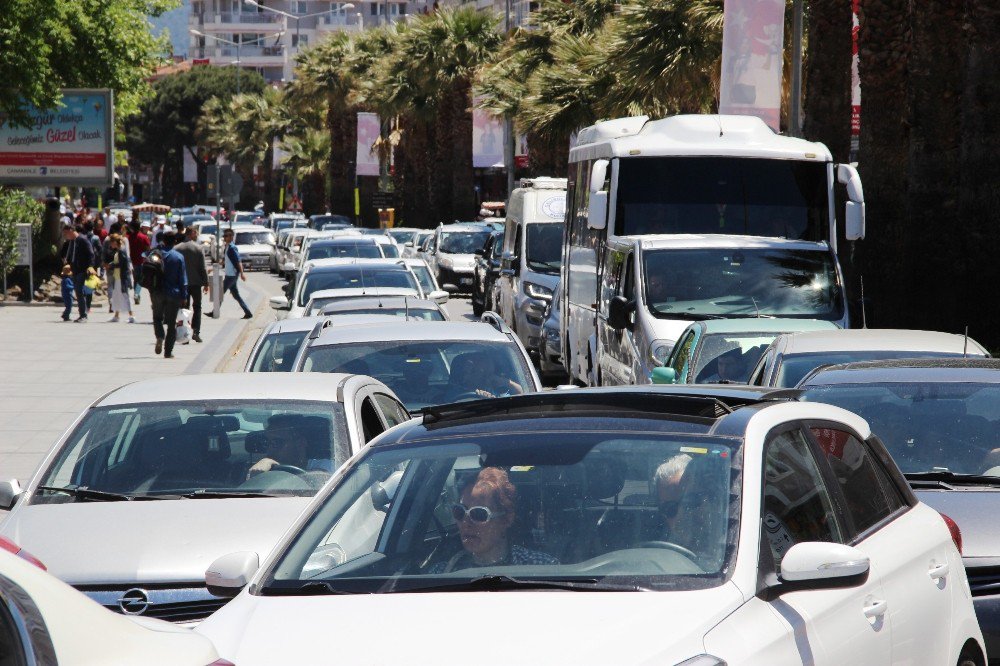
column 659, row 351
column 703, row 660
column 537, row 291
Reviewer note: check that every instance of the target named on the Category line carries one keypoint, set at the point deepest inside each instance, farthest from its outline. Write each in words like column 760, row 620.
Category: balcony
column 336, row 22
column 252, row 22
column 249, row 56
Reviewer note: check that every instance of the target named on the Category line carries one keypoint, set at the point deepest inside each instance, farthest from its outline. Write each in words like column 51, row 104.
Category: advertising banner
column 368, row 133
column 72, row 144
column 487, row 139
column 752, row 41
column 190, row 167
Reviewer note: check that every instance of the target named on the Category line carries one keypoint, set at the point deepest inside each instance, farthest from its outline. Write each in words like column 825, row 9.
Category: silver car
column 158, row 478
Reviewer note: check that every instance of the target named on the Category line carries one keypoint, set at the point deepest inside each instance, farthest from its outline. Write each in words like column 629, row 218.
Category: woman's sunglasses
column 477, row 514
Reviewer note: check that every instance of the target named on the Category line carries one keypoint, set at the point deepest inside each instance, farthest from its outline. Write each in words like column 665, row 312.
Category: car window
column 628, row 284
column 797, row 505
column 863, row 490
column 729, row 357
column 392, row 411
column 371, row 424
column 277, row 352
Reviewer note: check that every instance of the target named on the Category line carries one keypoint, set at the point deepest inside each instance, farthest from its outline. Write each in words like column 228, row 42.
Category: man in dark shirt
column 170, row 297
column 79, row 254
column 197, row 276
column 138, row 246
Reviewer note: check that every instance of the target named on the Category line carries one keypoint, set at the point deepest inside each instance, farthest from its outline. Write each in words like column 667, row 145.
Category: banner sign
column 855, row 83
column 72, row 144
column 23, row 249
column 752, row 41
column 487, row 139
column 368, row 133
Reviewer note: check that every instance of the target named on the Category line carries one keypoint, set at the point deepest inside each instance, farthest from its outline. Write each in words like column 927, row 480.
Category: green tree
column 17, row 207
column 46, row 45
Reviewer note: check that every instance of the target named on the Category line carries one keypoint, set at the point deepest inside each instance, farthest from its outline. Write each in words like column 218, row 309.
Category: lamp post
column 238, row 45
column 296, row 17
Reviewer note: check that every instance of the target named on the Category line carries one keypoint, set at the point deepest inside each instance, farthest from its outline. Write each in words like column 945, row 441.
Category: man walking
column 79, row 254
column 169, row 298
column 138, row 246
column 197, row 276
column 234, row 272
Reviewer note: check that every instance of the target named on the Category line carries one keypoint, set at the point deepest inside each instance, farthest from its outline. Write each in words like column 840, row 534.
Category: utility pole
column 795, row 101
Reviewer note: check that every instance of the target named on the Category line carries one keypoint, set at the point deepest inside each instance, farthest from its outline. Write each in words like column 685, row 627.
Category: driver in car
column 288, row 437
column 484, row 516
column 476, row 374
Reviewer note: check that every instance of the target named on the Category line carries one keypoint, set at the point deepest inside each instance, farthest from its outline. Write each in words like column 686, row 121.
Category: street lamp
column 198, row 33
column 295, row 17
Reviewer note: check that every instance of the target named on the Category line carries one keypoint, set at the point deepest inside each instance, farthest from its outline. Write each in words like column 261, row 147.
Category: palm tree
column 307, row 154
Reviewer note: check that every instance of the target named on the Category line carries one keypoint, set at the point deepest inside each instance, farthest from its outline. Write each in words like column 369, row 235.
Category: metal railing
column 252, row 51
column 249, row 17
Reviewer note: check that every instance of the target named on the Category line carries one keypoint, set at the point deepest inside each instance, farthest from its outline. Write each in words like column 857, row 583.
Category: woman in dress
column 120, row 275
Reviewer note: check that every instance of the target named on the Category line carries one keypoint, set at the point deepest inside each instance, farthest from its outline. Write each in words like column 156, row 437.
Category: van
column 532, row 256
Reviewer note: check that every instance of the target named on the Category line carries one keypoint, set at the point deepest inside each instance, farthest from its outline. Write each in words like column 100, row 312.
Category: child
column 90, row 285
column 67, row 290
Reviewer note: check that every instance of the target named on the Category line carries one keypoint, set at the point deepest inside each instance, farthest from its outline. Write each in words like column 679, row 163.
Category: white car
column 158, row 478
column 397, row 306
column 320, row 299
column 689, row 527
column 411, row 248
column 426, row 362
column 793, row 356
column 425, row 276
column 256, row 245
column 452, row 255
column 44, row 621
column 402, row 235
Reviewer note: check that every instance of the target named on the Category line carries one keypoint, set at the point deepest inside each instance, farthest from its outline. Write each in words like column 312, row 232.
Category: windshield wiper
column 205, row 493
column 947, row 479
column 503, row 583
column 91, row 495
column 312, row 588
column 692, row 316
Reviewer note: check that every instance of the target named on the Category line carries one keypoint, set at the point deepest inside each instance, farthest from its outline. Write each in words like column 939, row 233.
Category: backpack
column 152, row 271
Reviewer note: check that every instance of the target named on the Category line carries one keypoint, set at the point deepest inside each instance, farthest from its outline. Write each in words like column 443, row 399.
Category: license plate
column 466, row 281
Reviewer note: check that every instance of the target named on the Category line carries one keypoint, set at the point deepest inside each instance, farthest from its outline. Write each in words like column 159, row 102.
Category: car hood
column 975, row 512
column 459, row 261
column 542, row 279
column 257, row 248
column 484, row 628
column 150, row 541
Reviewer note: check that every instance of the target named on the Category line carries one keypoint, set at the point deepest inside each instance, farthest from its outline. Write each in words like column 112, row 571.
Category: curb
column 237, row 328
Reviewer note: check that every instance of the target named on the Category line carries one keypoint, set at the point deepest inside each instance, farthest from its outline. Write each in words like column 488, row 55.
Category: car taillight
column 222, row 662
column 956, row 534
column 12, row 547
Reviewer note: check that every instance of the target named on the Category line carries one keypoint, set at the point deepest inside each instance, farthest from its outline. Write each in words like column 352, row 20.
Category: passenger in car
column 485, row 515
column 289, row 438
column 477, row 372
column 669, row 480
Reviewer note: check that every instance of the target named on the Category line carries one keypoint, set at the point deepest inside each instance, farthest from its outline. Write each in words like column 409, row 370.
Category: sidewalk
column 51, row 370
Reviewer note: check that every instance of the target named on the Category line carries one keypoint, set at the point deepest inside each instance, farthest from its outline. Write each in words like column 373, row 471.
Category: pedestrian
column 79, row 254
column 119, row 279
column 99, row 229
column 138, row 246
column 67, row 290
column 95, row 241
column 233, row 272
column 197, row 277
column 168, row 299
column 90, row 285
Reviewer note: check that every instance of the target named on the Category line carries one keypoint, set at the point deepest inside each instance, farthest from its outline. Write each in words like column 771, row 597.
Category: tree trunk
column 343, row 141
column 463, row 179
column 413, row 165
column 441, row 167
column 828, row 76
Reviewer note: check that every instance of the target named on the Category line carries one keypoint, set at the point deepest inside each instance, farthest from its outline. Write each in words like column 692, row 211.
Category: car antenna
column 406, row 308
column 965, row 346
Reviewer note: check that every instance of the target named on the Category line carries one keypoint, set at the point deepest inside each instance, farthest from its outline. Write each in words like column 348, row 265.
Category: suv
column 451, row 254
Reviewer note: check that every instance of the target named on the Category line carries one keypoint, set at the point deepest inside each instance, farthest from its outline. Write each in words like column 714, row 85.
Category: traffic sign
column 23, row 249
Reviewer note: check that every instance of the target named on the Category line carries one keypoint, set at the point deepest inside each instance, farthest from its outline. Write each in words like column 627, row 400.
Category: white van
column 532, row 255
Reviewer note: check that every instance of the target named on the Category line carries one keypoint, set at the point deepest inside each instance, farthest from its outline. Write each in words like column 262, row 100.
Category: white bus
column 698, row 176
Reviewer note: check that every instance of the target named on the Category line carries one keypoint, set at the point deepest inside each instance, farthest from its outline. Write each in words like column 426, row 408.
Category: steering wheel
column 291, row 469
column 669, row 545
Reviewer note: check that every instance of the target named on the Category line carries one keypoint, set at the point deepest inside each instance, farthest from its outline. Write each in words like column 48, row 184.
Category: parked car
column 720, row 515
column 485, row 272
column 256, row 246
column 451, row 255
column 550, row 365
column 358, row 247
column 939, row 419
column 402, row 235
column 44, row 621
column 324, row 297
column 426, row 362
column 279, row 221
column 725, row 351
column 158, row 478
column 411, row 249
column 420, row 309
column 255, row 217
column 791, row 357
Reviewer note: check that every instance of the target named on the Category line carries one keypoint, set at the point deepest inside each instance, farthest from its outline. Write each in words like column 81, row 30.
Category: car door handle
column 939, row 571
column 876, row 608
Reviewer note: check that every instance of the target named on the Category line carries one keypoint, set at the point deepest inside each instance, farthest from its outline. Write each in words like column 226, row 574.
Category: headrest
column 605, row 476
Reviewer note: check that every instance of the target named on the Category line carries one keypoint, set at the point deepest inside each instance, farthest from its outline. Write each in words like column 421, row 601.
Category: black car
column 939, row 418
column 486, row 271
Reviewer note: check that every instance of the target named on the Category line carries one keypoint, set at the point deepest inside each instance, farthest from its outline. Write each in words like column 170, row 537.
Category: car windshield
column 277, row 352
column 729, row 357
column 462, row 242
column 356, row 250
column 424, row 278
column 927, row 426
column 181, row 448
column 402, row 237
column 722, row 195
column 544, row 248
column 317, row 221
column 725, row 282
column 254, row 238
column 601, row 509
column 794, row 367
column 247, row 217
column 389, row 250
column 356, row 277
column 431, row 372
column 211, row 229
column 425, row 314
column 288, row 223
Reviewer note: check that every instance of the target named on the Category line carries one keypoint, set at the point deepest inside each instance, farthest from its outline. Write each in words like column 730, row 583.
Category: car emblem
column 134, row 602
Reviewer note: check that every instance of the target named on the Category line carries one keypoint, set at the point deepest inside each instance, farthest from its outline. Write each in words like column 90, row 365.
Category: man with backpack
column 165, row 276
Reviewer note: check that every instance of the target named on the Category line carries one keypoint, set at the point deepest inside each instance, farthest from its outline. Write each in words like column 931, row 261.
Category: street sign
column 235, row 186
column 213, row 178
column 23, row 250
column 383, row 199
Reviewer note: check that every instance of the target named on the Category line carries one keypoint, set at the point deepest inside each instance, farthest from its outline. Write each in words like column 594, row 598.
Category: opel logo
column 134, row 602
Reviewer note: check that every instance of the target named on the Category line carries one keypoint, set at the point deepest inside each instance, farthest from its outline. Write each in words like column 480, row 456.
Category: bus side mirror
column 847, row 175
column 597, row 213
column 854, row 221
column 598, row 174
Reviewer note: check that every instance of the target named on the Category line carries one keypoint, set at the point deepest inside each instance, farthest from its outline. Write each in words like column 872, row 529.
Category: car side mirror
column 439, row 296
column 480, row 252
column 229, row 574
column 663, row 375
column 279, row 302
column 823, row 565
column 10, row 492
column 619, row 313
column 408, row 244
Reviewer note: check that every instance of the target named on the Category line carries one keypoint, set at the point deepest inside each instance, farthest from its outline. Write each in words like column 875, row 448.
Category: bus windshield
column 715, row 283
column 722, row 195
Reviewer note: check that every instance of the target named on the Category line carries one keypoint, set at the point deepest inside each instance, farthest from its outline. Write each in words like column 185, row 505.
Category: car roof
column 908, row 371
column 334, row 263
column 877, row 339
column 463, row 227
column 384, row 301
column 361, row 291
column 764, row 325
column 343, row 240
column 298, row 324
column 249, row 386
column 721, row 241
column 412, row 330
